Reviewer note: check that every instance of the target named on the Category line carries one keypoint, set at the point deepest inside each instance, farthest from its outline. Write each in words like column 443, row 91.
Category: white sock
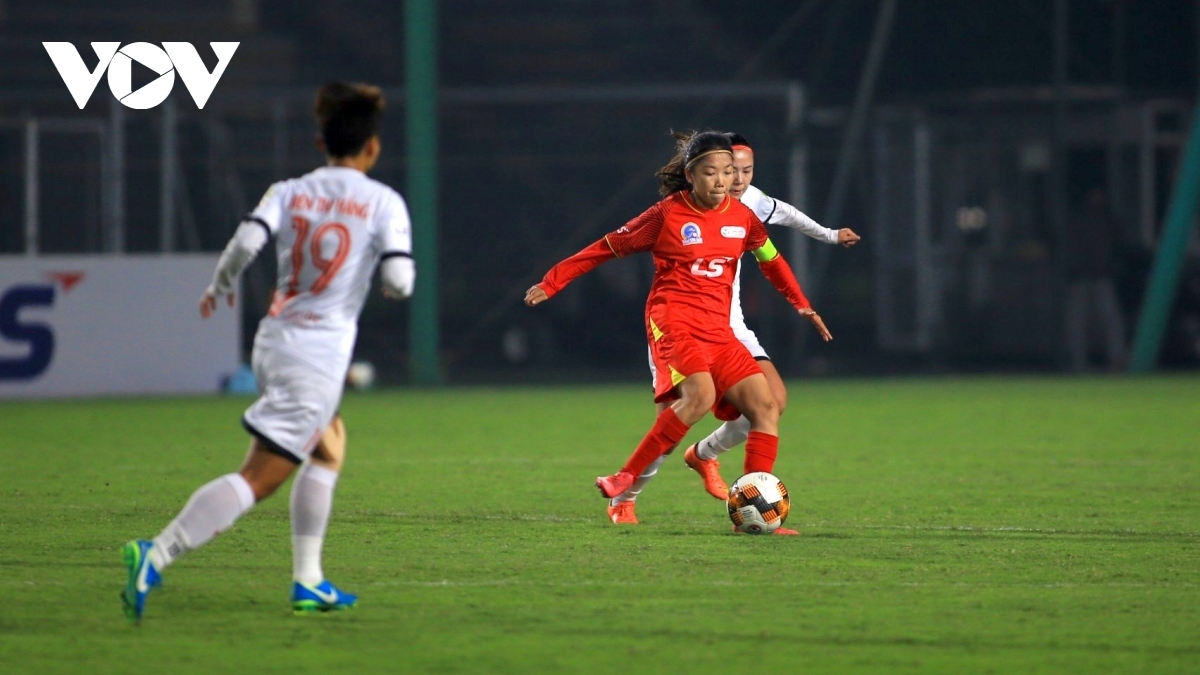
column 728, row 435
column 212, row 509
column 636, row 489
column 312, row 501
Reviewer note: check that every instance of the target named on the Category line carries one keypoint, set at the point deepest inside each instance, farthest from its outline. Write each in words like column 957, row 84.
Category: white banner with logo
column 112, row 324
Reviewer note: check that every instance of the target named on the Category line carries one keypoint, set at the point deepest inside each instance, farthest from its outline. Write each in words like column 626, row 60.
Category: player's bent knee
column 692, row 408
column 697, row 396
column 263, row 485
column 691, row 412
column 763, row 410
column 775, row 382
column 265, row 470
column 700, row 403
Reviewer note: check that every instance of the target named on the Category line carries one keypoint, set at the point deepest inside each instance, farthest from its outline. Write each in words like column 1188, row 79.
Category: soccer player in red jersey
column 702, row 456
column 696, row 234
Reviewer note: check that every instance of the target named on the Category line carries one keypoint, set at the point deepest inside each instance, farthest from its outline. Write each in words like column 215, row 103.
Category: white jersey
column 331, row 227
column 771, row 212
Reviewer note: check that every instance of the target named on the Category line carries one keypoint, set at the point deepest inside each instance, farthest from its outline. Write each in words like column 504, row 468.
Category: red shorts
column 675, row 357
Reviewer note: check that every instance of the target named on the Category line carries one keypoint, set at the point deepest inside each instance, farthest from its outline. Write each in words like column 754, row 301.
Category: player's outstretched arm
column 637, row 235
column 568, row 270
column 245, row 244
column 776, row 269
column 789, row 216
column 783, row 213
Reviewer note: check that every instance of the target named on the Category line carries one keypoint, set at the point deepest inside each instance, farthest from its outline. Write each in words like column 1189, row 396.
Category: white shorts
column 750, row 340
column 743, row 334
column 296, row 404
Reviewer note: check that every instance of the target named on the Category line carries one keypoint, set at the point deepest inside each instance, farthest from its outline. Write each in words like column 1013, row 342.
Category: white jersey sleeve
column 252, row 234
column 396, row 268
column 775, row 212
column 771, row 212
column 395, row 227
column 270, row 210
column 247, row 241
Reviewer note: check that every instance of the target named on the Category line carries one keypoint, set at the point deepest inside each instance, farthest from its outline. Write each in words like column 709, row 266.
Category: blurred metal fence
column 963, row 236
column 951, row 199
column 529, row 175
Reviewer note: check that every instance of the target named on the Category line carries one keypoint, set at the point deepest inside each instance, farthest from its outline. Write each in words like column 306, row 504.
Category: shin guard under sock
column 761, row 450
column 666, row 433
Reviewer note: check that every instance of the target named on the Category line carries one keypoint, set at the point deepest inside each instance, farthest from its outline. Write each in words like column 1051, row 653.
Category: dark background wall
column 527, row 178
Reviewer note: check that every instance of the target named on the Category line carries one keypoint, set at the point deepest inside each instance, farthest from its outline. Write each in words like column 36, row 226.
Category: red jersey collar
column 722, row 207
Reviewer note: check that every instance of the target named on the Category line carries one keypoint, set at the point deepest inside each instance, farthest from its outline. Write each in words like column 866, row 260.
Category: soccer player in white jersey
column 332, row 227
column 702, row 456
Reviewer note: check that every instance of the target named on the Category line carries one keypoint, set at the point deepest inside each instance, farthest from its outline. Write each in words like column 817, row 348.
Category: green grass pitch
column 1024, row 525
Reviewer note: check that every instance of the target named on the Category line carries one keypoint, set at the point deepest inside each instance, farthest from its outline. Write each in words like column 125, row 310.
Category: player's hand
column 811, row 315
column 535, row 296
column 847, row 237
column 208, row 304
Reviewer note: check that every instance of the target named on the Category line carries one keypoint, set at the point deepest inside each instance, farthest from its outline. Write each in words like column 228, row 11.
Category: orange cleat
column 622, row 514
column 708, row 470
column 611, row 486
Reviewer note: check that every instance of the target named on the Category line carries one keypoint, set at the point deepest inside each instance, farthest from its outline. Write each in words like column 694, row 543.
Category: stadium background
column 552, row 117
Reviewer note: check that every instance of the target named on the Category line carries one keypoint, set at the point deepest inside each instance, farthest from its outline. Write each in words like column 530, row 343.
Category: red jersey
column 695, row 260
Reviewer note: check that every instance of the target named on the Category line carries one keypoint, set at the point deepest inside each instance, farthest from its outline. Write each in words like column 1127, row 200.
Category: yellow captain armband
column 766, row 252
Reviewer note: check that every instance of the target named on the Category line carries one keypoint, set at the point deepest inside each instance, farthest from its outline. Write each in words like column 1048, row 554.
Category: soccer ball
column 361, row 375
column 758, row 503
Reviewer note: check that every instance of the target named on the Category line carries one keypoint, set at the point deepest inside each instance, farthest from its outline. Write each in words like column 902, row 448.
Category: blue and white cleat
column 323, row 597
column 143, row 576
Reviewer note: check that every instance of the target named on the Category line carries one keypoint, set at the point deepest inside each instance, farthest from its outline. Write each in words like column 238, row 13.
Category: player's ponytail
column 689, row 147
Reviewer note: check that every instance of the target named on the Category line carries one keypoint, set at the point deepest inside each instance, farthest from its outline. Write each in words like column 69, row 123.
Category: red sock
column 667, row 431
column 761, row 450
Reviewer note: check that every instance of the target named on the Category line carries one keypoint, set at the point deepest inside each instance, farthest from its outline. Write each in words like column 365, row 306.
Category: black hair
column 689, row 147
column 738, row 139
column 348, row 115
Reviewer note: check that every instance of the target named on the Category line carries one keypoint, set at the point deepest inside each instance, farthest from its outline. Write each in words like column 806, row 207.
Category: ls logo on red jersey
column 714, row 268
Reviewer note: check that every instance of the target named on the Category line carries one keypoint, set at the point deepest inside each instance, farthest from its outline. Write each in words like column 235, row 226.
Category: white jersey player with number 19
column 332, row 227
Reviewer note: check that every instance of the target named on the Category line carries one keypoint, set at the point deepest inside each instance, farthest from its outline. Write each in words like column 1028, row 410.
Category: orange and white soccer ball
column 758, row 503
